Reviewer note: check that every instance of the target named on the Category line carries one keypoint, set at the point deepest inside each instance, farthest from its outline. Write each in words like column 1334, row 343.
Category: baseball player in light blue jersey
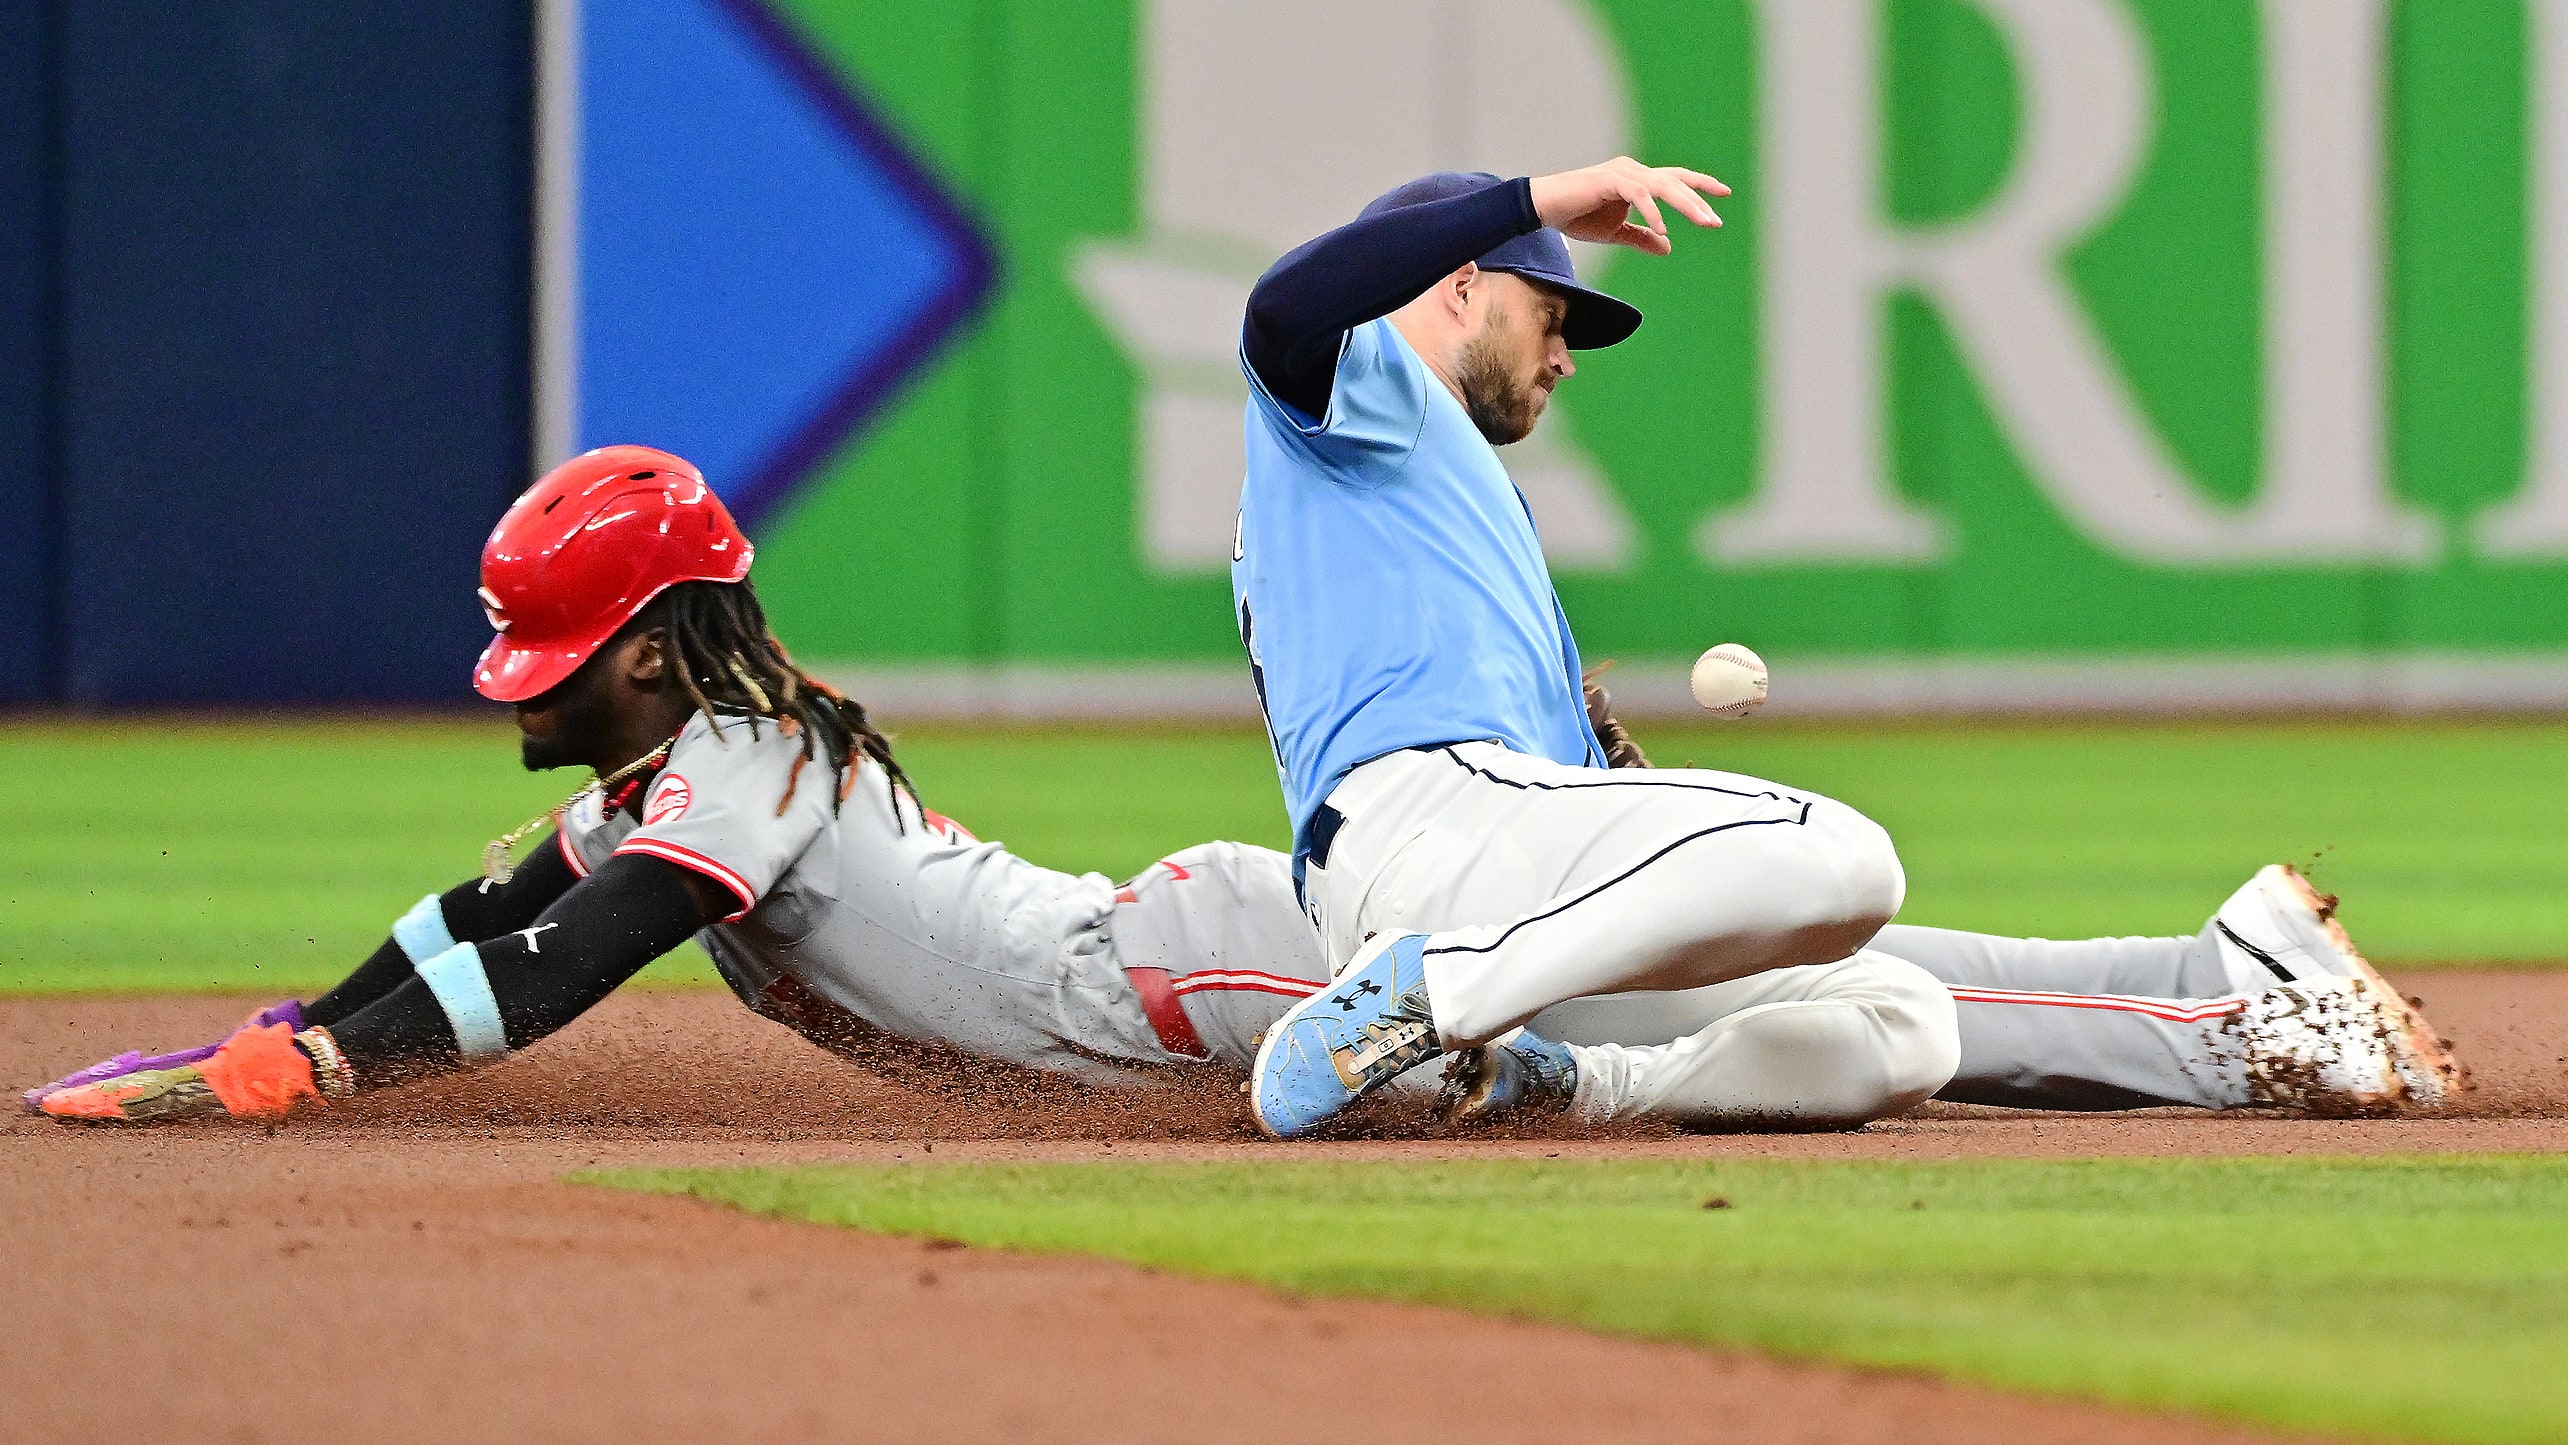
column 1465, row 854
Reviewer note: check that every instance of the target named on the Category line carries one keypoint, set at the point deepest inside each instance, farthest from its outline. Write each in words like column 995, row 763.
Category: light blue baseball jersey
column 1388, row 584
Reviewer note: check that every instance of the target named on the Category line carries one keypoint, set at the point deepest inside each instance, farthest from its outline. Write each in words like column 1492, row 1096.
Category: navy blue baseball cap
column 1595, row 319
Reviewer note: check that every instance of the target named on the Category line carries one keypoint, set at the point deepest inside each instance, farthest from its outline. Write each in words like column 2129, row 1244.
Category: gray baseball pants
column 2099, row 1023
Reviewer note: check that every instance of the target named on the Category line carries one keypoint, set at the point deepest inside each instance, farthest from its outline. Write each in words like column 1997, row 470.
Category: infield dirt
column 411, row 1268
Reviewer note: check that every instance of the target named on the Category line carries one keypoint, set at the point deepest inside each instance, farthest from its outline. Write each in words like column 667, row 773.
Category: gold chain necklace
column 495, row 864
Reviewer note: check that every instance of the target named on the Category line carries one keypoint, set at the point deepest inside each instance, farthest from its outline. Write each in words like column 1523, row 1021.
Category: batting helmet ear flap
column 585, row 549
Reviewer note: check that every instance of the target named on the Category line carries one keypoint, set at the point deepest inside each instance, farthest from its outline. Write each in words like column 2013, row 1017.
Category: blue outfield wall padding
column 26, row 292
column 296, row 269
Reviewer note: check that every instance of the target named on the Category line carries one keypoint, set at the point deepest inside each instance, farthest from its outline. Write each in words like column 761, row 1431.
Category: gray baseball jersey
column 900, row 923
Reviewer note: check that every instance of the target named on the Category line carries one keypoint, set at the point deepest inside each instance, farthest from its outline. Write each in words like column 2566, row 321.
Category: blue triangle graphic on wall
column 762, row 264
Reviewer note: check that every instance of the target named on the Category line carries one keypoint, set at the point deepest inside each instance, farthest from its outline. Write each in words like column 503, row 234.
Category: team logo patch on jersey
column 668, row 800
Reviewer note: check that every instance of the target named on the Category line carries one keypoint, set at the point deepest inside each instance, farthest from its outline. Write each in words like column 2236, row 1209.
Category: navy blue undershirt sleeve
column 1302, row 308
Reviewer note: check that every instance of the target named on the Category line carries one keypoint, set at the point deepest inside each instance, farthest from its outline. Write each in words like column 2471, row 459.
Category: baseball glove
column 1620, row 750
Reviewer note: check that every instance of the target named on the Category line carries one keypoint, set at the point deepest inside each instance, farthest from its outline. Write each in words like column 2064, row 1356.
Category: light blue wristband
column 422, row 931
column 463, row 991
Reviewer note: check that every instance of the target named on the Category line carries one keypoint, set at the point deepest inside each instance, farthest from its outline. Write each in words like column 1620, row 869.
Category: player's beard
column 580, row 715
column 1501, row 403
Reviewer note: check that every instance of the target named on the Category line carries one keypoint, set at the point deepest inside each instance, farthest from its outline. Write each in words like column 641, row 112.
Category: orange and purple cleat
column 264, row 1071
column 136, row 1061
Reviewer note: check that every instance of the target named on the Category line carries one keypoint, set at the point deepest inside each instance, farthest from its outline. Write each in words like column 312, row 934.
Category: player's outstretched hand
column 1597, row 203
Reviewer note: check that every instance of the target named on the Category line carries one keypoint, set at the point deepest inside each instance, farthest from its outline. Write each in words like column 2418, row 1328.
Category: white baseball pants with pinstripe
column 2103, row 1023
column 1538, row 884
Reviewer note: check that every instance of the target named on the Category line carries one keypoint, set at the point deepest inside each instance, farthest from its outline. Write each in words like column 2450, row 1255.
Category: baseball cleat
column 2341, row 1046
column 1525, row 1072
column 2280, row 928
column 1342, row 1043
column 147, row 1096
column 257, row 1073
column 289, row 1013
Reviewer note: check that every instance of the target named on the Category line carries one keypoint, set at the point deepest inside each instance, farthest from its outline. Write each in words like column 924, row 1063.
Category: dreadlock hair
column 728, row 661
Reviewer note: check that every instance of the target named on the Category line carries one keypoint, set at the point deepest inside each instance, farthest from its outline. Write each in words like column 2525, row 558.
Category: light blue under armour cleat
column 1526, row 1072
column 1345, row 1041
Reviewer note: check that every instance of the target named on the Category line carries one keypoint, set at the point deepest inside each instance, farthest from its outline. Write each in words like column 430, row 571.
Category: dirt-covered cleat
column 150, row 1096
column 289, row 1013
column 260, row 1072
column 2340, row 1047
column 2279, row 928
column 1525, row 1072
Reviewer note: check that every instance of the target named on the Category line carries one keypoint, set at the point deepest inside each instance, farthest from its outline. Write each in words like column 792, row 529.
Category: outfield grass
column 271, row 856
column 2395, row 1299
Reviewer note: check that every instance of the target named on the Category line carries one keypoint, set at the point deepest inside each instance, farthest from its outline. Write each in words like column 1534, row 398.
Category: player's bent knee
column 1815, row 1064
column 1871, row 883
column 1849, row 885
column 1920, row 1029
column 1910, row 1042
column 1877, row 1039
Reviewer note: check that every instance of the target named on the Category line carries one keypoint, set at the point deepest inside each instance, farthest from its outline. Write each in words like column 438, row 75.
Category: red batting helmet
column 584, row 549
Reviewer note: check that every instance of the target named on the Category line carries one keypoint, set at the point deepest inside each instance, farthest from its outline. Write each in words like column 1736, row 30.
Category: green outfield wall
column 2078, row 334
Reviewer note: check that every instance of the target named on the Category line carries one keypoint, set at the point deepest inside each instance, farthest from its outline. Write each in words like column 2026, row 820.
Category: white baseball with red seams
column 1729, row 680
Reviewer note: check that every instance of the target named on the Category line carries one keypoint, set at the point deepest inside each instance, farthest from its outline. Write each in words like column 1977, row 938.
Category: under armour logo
column 1349, row 1000
column 529, row 935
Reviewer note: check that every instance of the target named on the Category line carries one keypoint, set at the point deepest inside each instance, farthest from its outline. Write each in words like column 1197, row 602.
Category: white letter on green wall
column 2533, row 523
column 1830, row 260
column 1826, row 261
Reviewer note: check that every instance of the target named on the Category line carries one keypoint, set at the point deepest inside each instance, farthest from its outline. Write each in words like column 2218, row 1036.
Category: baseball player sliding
column 742, row 802
column 1471, row 864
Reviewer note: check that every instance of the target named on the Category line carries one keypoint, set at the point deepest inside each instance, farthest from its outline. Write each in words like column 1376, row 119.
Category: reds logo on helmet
column 586, row 548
